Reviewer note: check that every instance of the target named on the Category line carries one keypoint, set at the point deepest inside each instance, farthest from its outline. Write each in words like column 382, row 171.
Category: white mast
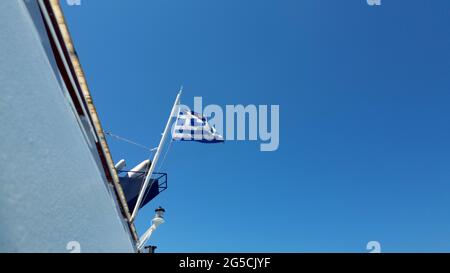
column 156, row 156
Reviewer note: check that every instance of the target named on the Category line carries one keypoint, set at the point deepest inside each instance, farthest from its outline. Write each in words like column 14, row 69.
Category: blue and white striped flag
column 191, row 126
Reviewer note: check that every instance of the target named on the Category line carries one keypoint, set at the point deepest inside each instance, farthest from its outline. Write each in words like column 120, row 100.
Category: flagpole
column 156, row 156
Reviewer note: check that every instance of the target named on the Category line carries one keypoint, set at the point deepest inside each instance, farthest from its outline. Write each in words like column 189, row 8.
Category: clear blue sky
column 364, row 129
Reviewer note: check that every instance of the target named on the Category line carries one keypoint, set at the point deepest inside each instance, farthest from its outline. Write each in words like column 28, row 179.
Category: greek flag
column 191, row 126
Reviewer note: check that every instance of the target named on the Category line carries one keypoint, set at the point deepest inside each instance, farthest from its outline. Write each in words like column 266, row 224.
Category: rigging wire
column 165, row 155
column 145, row 148
column 148, row 149
column 130, row 141
column 159, row 169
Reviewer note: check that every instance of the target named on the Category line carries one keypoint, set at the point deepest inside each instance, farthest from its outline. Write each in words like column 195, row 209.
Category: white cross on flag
column 191, row 126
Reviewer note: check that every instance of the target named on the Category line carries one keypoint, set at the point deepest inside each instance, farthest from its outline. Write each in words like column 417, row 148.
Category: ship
column 60, row 189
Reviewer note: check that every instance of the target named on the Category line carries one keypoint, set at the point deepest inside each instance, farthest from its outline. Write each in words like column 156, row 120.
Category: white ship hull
column 57, row 193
